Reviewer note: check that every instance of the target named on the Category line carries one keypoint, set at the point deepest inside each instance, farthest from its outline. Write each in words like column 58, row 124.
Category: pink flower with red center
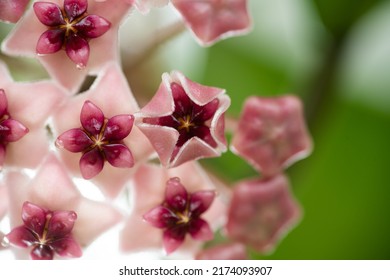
column 261, row 212
column 10, row 130
column 185, row 120
column 213, row 20
column 100, row 139
column 272, row 133
column 180, row 213
column 230, row 251
column 47, row 232
column 70, row 28
column 12, row 10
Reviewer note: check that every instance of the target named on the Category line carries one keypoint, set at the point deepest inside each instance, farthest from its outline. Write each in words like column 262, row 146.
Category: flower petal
column 200, row 230
column 160, row 217
column 233, row 251
column 118, row 127
column 34, row 217
column 206, row 112
column 75, row 8
column 172, row 240
column 74, row 140
column 92, row 26
column 91, row 163
column 77, row 49
column 21, row 236
column 49, row 13
column 42, row 252
column 3, row 103
column 50, row 41
column 12, row 11
column 12, row 130
column 118, row 155
column 176, row 195
column 200, row 201
column 61, row 223
column 67, row 247
column 2, row 155
column 91, row 118
column 183, row 103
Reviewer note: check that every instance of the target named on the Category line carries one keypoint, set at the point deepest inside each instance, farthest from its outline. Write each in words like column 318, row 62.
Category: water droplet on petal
column 59, row 143
column 80, row 66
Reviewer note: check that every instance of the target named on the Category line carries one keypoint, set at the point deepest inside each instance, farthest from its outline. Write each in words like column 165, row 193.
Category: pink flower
column 31, row 104
column 100, row 123
column 185, row 120
column 261, row 212
column 213, row 20
column 230, row 251
column 25, row 36
column 152, row 179
column 12, row 10
column 271, row 133
column 144, row 6
column 99, row 139
column 53, row 189
column 48, row 232
column 180, row 213
column 69, row 27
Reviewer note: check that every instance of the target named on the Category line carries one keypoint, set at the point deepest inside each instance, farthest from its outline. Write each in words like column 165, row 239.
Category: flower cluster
column 68, row 134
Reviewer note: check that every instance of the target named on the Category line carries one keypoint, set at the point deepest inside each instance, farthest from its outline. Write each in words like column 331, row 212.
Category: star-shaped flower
column 185, row 120
column 23, row 39
column 47, row 232
column 53, row 189
column 112, row 121
column 213, row 20
column 153, row 179
column 272, row 133
column 230, row 251
column 31, row 104
column 12, row 10
column 261, row 212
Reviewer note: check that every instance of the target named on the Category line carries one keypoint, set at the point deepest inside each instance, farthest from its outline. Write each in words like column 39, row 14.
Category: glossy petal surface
column 12, row 10
column 91, row 163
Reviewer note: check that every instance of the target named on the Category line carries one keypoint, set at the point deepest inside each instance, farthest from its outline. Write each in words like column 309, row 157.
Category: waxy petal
column 34, row 217
column 3, row 103
column 12, row 130
column 77, row 49
column 172, row 240
column 12, row 10
column 92, row 26
column 160, row 217
column 118, row 155
column 67, row 247
column 42, row 252
column 118, row 127
column 91, row 118
column 176, row 195
column 50, row 41
column 200, row 230
column 2, row 155
column 91, row 163
column 75, row 8
column 21, row 236
column 61, row 224
column 49, row 13
column 74, row 140
column 200, row 202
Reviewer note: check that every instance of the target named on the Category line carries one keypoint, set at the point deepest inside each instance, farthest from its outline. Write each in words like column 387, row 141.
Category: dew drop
column 59, row 143
column 80, row 66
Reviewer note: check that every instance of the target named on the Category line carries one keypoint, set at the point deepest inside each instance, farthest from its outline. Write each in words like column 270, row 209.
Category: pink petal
column 200, row 201
column 67, row 247
column 234, row 251
column 21, row 236
column 200, row 230
column 118, row 127
column 61, row 223
column 3, row 103
column 42, row 252
column 118, row 155
column 176, row 195
column 144, row 6
column 12, row 130
column 12, row 10
column 91, row 118
column 2, row 156
column 77, row 49
column 74, row 140
column 34, row 217
column 50, row 41
column 159, row 217
column 75, row 8
column 172, row 241
column 92, row 26
column 91, row 163
column 49, row 13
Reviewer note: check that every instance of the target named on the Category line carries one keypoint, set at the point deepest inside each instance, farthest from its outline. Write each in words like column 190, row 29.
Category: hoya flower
column 261, row 212
column 185, row 120
column 30, row 36
column 99, row 124
column 70, row 28
column 271, row 133
column 10, row 130
column 12, row 10
column 230, row 251
column 179, row 216
column 47, row 232
column 22, row 106
column 100, row 139
column 52, row 197
column 213, row 20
